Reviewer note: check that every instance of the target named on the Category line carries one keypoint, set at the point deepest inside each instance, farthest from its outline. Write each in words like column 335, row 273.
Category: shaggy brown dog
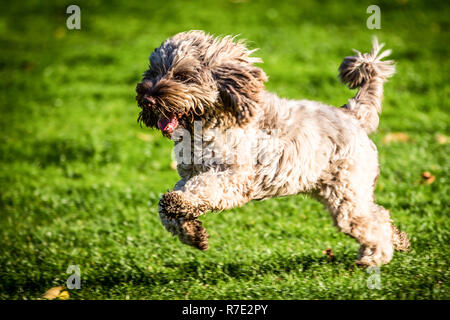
column 250, row 144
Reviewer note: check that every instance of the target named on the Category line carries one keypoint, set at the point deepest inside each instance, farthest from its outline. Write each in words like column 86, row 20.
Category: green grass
column 80, row 180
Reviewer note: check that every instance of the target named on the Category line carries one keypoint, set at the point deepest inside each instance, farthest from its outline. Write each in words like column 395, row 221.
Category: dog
column 290, row 146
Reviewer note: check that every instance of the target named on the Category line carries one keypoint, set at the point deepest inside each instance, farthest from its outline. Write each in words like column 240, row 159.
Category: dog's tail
column 367, row 72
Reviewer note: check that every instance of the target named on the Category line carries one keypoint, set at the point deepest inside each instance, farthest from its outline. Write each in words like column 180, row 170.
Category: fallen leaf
column 144, row 136
column 396, row 137
column 64, row 295
column 52, row 293
column 328, row 252
column 442, row 139
column 428, row 178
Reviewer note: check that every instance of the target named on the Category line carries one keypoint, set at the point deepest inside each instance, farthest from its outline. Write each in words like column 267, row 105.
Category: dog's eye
column 182, row 77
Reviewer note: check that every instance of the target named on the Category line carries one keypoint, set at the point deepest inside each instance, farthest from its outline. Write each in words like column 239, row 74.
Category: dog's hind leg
column 348, row 195
column 362, row 220
column 207, row 191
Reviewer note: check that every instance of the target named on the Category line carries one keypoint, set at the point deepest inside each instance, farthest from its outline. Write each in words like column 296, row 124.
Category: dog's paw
column 189, row 232
column 376, row 255
column 179, row 217
column 175, row 205
column 194, row 234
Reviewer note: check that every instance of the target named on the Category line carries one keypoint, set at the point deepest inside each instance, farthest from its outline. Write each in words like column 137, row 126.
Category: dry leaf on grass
column 427, row 178
column 396, row 137
column 64, row 295
column 56, row 293
column 329, row 252
column 442, row 139
column 53, row 293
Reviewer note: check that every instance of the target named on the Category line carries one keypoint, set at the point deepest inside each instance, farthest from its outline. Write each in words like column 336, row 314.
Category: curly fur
column 368, row 73
column 284, row 147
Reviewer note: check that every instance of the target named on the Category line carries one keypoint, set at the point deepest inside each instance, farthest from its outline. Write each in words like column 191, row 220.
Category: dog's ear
column 239, row 81
column 240, row 87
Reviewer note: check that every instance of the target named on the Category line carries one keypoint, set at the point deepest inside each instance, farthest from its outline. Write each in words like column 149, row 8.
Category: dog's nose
column 150, row 100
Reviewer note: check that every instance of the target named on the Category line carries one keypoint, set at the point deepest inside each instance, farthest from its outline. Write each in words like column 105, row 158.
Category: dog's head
column 193, row 76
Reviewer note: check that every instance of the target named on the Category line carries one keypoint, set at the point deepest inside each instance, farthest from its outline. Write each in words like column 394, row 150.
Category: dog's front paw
column 194, row 234
column 179, row 217
column 190, row 232
column 175, row 205
column 375, row 255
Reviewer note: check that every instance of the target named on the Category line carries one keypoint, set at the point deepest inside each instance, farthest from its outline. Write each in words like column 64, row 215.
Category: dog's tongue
column 167, row 124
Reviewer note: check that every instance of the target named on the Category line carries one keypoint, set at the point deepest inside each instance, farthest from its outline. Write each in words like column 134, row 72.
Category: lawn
column 80, row 179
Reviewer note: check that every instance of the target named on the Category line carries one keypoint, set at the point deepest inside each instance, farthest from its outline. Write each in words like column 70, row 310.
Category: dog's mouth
column 168, row 125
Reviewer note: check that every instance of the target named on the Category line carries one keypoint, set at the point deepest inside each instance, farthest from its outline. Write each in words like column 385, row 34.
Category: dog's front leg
column 179, row 209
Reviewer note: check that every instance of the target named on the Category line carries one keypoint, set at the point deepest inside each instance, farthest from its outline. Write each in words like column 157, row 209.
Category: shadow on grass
column 212, row 272
column 208, row 272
